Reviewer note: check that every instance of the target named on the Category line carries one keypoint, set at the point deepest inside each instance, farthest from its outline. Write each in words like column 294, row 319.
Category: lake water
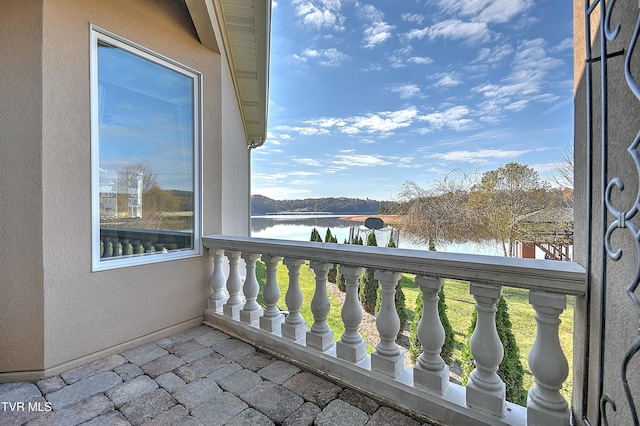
column 299, row 227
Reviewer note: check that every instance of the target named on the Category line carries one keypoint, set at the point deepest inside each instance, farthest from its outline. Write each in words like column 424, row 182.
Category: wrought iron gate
column 614, row 98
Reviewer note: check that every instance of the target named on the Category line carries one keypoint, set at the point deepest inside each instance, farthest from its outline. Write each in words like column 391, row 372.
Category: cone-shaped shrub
column 315, row 236
column 368, row 284
column 333, row 272
column 415, row 348
column 510, row 370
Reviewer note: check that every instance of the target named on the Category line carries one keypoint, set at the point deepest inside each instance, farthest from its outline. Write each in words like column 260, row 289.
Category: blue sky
column 145, row 113
column 365, row 96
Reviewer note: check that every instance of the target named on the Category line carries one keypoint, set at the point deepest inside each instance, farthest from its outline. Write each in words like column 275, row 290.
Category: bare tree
column 563, row 169
column 128, row 177
column 439, row 213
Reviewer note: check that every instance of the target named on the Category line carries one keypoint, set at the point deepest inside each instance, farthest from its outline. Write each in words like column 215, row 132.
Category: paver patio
column 200, row 376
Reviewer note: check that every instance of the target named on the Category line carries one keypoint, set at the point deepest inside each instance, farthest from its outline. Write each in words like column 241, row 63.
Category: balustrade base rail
column 399, row 393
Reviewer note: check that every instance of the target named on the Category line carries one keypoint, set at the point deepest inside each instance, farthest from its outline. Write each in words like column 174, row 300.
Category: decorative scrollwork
column 606, row 399
column 622, row 219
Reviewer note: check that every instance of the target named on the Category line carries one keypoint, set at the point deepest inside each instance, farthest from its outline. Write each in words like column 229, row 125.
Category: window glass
column 145, row 155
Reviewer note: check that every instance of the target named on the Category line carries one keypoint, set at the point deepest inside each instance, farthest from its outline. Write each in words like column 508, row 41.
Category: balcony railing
column 116, row 242
column 425, row 388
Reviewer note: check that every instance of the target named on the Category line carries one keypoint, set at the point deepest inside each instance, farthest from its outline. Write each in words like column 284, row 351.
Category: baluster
column 485, row 389
column 387, row 358
column 431, row 371
column 294, row 326
column 251, row 310
column 320, row 336
column 272, row 318
column 234, row 287
column 351, row 347
column 218, row 297
column 545, row 405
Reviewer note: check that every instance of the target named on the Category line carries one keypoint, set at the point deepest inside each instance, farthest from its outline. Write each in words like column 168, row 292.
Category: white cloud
column 377, row 30
column 444, row 79
column 320, row 14
column 454, row 118
column 302, row 173
column 377, row 33
column 566, row 44
column 480, row 156
column 526, row 82
column 493, row 55
column 385, row 121
column 306, row 162
column 396, row 61
column 489, row 11
column 327, row 122
column 305, row 131
column 453, row 29
column 412, row 17
column 420, row 60
column 361, row 160
column 407, row 90
column 327, row 57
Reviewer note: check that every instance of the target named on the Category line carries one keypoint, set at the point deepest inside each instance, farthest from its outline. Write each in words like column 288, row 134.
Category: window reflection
column 147, row 134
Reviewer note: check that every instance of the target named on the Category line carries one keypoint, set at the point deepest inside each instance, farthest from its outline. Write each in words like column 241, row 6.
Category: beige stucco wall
column 235, row 209
column 21, row 245
column 69, row 313
column 618, row 315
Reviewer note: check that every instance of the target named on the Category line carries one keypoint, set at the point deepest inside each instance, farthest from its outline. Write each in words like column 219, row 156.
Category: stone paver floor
column 200, row 376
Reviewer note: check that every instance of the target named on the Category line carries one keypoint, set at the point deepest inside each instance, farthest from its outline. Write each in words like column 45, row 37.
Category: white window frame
column 99, row 34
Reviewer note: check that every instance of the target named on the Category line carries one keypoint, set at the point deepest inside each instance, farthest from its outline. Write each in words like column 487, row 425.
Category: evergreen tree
column 510, row 369
column 333, row 272
column 368, row 284
column 340, row 281
column 400, row 299
column 415, row 348
column 315, row 236
column 401, row 307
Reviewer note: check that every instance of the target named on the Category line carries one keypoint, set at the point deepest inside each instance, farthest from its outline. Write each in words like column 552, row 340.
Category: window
column 145, row 113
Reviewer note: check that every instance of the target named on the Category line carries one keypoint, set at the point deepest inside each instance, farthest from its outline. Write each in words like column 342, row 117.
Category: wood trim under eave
column 202, row 14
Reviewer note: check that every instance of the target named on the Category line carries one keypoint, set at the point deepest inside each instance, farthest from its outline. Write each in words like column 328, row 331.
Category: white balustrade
column 545, row 405
column 351, row 346
column 387, row 358
column 272, row 318
column 426, row 386
column 320, row 336
column 485, row 389
column 218, row 297
column 294, row 326
column 251, row 311
column 234, row 287
column 430, row 371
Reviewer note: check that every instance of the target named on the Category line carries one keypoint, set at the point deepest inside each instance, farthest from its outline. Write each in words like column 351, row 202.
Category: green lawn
column 460, row 305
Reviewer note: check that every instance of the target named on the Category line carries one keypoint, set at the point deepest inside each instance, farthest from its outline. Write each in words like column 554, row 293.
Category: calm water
column 298, row 228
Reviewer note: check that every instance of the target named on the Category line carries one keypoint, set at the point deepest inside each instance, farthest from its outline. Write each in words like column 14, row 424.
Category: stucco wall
column 77, row 312
column 612, row 325
column 236, row 179
column 21, row 245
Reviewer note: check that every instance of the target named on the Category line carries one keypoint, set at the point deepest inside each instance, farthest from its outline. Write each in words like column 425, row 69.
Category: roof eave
column 245, row 27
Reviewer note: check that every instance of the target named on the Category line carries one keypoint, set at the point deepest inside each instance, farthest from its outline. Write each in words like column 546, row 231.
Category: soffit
column 245, row 26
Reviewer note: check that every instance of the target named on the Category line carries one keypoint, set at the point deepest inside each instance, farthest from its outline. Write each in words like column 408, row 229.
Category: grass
column 460, row 305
